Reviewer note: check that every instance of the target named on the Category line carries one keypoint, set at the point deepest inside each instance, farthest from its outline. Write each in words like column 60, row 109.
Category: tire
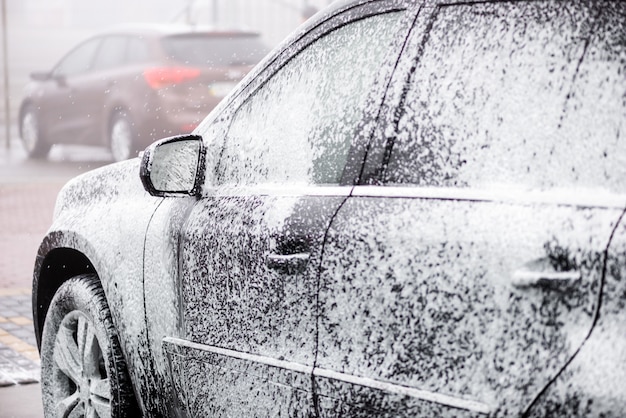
column 83, row 371
column 122, row 137
column 31, row 135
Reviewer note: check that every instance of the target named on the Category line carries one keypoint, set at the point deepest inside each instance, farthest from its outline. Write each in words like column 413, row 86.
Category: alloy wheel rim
column 81, row 382
column 120, row 140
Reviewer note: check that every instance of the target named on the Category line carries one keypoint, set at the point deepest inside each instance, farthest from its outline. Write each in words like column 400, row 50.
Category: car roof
column 158, row 30
column 347, row 4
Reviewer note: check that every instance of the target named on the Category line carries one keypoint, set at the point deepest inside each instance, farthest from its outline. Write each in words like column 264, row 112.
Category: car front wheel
column 83, row 372
column 32, row 139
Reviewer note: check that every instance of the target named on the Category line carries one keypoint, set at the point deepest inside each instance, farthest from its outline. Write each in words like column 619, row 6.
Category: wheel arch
column 61, row 256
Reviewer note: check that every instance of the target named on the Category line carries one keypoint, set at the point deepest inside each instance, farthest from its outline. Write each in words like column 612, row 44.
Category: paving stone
column 12, row 291
column 22, row 333
column 19, row 358
column 30, row 339
column 21, row 320
column 9, row 303
column 9, row 326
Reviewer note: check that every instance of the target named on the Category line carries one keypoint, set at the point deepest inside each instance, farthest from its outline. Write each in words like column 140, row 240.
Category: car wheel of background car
column 83, row 371
column 31, row 135
column 121, row 137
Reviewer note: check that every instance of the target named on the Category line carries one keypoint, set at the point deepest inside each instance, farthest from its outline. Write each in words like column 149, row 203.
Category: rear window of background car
column 211, row 50
column 299, row 125
column 530, row 94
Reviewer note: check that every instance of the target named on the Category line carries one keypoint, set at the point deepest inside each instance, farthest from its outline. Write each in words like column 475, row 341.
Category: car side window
column 79, row 60
column 111, row 53
column 137, row 51
column 515, row 94
column 298, row 126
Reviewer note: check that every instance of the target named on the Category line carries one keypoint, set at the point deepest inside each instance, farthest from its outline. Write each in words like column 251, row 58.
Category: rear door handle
column 552, row 279
column 290, row 263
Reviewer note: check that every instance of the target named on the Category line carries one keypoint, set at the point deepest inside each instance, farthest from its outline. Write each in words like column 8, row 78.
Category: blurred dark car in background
column 130, row 86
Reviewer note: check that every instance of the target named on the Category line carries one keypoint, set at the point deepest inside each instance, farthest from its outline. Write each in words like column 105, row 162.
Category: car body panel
column 212, row 381
column 162, row 295
column 440, row 310
column 71, row 108
column 263, row 319
column 63, row 99
column 255, row 304
column 589, row 386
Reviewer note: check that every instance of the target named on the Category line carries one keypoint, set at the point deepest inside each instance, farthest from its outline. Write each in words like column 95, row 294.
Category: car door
column 464, row 272
column 68, row 106
column 251, row 248
column 109, row 69
column 591, row 385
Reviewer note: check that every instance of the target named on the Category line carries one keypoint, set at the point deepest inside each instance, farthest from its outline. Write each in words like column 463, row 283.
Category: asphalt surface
column 28, row 191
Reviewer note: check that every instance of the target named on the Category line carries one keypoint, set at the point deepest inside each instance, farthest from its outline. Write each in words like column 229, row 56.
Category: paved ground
column 28, row 191
column 19, row 359
column 23, row 401
column 25, row 215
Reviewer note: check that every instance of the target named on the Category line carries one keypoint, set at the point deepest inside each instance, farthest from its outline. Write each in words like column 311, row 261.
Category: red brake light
column 161, row 77
column 188, row 127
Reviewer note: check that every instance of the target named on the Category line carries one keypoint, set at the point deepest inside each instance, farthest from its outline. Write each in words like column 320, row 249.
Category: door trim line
column 424, row 395
column 447, row 400
column 284, row 190
column 566, row 197
column 281, row 364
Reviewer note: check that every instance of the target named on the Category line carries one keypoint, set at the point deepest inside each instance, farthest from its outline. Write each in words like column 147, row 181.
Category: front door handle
column 550, row 279
column 290, row 263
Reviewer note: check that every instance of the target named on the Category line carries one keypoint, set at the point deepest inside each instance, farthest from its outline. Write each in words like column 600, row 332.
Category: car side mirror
column 174, row 166
column 41, row 76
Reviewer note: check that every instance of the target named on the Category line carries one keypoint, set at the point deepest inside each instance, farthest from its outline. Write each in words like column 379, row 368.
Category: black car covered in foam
column 410, row 208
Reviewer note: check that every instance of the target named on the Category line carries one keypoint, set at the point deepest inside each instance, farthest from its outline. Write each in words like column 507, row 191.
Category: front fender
column 100, row 225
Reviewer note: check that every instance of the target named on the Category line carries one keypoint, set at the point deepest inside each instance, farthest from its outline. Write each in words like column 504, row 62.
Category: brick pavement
column 25, row 215
column 19, row 358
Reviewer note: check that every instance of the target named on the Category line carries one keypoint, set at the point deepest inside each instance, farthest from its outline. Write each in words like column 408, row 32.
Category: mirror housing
column 174, row 166
column 41, row 76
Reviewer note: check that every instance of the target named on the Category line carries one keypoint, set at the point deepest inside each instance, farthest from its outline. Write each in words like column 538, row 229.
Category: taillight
column 188, row 127
column 167, row 76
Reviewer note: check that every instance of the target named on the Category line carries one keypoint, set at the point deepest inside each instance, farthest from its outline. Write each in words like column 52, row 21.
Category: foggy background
column 37, row 33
